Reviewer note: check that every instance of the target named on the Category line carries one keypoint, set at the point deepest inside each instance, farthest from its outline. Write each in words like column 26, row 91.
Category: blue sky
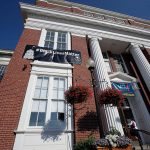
column 11, row 24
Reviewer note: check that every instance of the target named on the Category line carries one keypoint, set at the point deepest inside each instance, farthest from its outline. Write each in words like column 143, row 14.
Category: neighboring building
column 34, row 114
column 5, row 56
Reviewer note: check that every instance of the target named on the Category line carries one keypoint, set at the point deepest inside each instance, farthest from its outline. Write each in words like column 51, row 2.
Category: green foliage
column 114, row 131
column 87, row 144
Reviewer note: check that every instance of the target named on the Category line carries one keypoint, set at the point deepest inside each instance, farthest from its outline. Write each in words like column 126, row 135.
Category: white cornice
column 97, row 10
column 65, row 21
column 80, row 18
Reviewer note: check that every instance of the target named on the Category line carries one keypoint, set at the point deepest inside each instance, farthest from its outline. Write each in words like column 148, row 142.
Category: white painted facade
column 36, row 138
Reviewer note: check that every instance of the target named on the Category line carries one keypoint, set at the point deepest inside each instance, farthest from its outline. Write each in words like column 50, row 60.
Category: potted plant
column 77, row 94
column 87, row 144
column 113, row 141
column 111, row 96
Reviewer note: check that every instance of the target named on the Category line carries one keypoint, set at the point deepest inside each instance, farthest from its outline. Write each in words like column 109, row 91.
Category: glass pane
column 61, row 106
column 41, row 119
column 33, row 119
column 54, row 106
column 43, row 93
column 61, row 116
column 46, row 44
column 59, row 46
column 35, row 105
column 42, row 106
column 45, row 82
column 62, row 83
column 52, row 38
column 47, row 37
column 61, row 94
column 64, row 40
column 63, row 46
column 59, row 34
column 39, row 81
column 59, row 39
column 52, row 33
column 64, row 35
column 55, row 82
column 55, row 94
column 51, row 45
column 37, row 93
column 53, row 115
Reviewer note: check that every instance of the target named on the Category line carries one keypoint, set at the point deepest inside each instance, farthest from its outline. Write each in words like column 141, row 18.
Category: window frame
column 121, row 62
column 43, row 37
column 49, row 100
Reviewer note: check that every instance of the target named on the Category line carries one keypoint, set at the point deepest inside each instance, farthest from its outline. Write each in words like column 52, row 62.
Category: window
column 56, row 40
column 55, row 86
column 118, row 62
column 106, row 60
column 38, row 112
column 58, row 102
column 2, row 70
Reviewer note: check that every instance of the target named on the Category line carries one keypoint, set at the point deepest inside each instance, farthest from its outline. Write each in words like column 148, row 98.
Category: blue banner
column 125, row 88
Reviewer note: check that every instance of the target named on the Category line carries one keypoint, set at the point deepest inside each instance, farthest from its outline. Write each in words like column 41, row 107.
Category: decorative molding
column 76, row 17
column 80, row 35
column 75, row 29
column 52, row 65
column 96, row 10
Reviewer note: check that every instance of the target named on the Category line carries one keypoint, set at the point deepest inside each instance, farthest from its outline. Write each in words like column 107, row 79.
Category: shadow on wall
column 52, row 130
column 88, row 122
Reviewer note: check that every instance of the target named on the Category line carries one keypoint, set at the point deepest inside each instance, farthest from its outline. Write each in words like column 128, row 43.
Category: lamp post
column 91, row 65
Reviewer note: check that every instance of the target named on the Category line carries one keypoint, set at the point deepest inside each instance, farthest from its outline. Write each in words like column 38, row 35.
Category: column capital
column 95, row 37
column 136, row 45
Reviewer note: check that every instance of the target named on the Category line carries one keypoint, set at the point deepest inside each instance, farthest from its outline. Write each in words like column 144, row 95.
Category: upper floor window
column 106, row 60
column 48, row 103
column 2, row 70
column 118, row 62
column 56, row 40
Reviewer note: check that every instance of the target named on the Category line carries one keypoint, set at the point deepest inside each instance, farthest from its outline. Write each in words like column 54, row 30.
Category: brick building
column 34, row 114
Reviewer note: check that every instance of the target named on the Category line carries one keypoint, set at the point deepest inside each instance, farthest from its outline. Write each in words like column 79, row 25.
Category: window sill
column 51, row 64
column 30, row 131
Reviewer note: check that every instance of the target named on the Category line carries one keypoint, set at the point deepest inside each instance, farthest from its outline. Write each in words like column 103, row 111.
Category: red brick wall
column 85, row 118
column 13, row 89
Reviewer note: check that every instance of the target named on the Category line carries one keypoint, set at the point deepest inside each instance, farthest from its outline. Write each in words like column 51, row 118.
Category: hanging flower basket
column 111, row 96
column 77, row 94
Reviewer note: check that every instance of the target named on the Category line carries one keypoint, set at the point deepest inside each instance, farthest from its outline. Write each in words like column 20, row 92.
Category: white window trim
column 61, row 70
column 43, row 36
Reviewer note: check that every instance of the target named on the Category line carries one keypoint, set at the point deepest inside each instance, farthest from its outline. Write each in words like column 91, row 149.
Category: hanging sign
column 125, row 88
column 45, row 54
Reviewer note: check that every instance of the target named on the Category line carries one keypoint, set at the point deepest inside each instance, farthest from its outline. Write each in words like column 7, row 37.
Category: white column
column 103, row 82
column 142, row 63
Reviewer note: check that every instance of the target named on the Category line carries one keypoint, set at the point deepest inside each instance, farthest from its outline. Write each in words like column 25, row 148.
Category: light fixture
column 90, row 64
